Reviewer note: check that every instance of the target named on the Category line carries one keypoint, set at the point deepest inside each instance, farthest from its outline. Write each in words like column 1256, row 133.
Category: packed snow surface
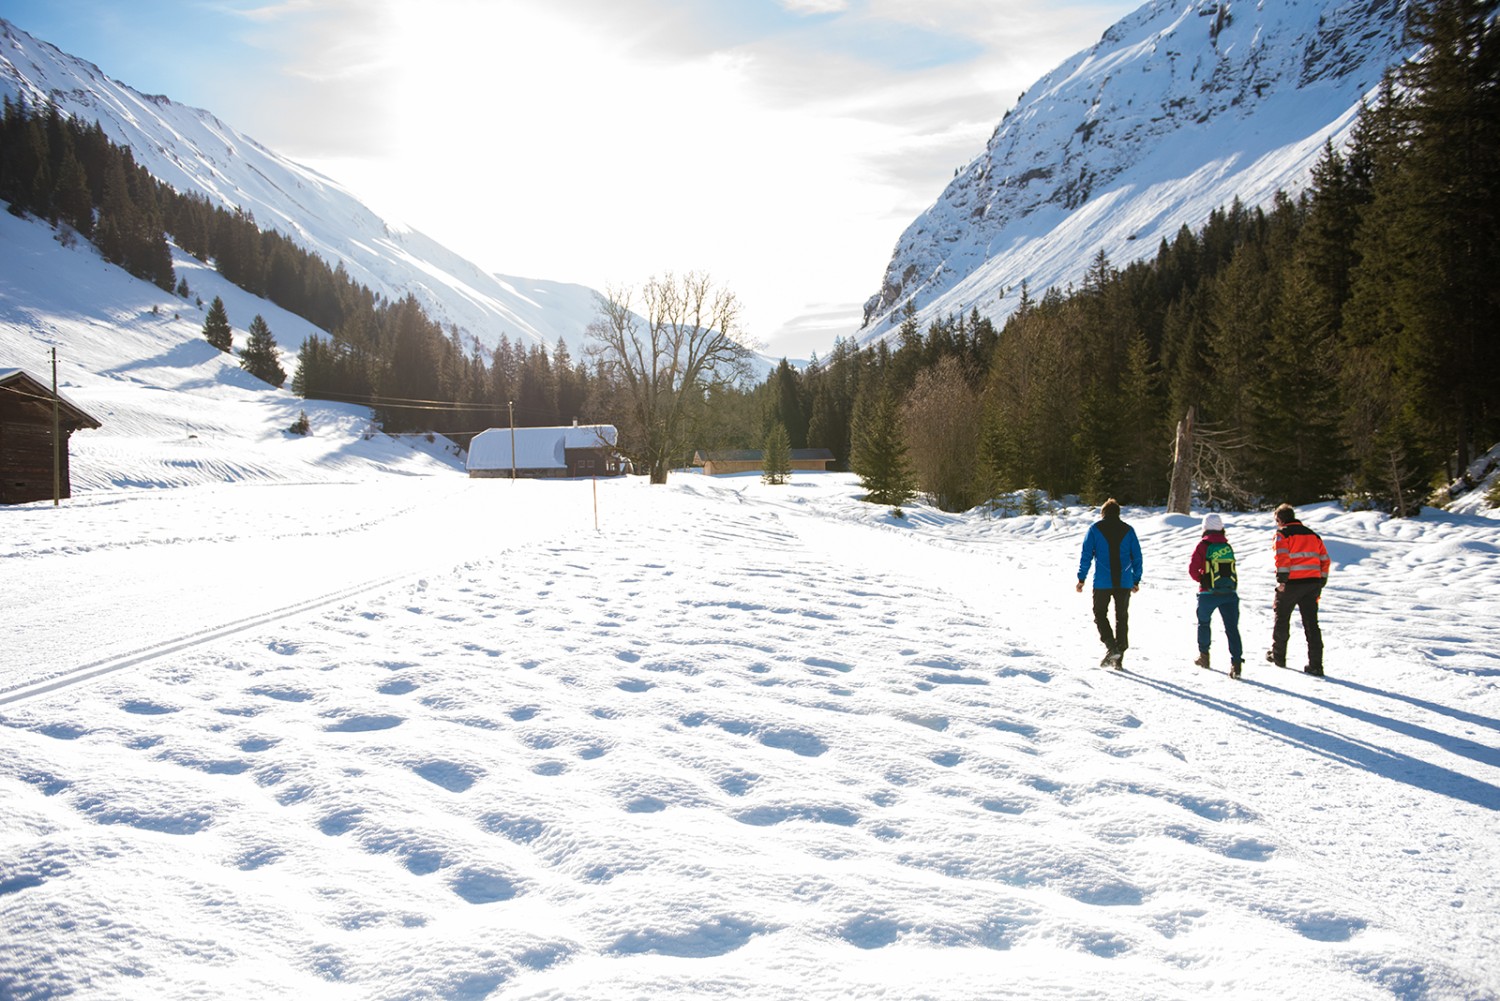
column 438, row 737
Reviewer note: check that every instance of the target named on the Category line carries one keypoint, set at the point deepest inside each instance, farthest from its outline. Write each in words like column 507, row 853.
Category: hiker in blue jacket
column 1115, row 552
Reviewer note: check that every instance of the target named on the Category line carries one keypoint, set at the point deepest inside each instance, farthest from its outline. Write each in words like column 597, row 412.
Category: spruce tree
column 879, row 451
column 259, row 357
column 216, row 329
column 776, row 459
column 789, row 411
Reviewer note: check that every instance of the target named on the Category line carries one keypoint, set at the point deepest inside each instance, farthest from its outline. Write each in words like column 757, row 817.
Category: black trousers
column 1303, row 596
column 1117, row 639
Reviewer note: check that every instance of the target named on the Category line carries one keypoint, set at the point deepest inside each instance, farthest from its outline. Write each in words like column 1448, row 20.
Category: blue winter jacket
column 1115, row 552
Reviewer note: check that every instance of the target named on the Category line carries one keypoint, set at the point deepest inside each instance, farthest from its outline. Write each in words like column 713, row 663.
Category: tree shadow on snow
column 1373, row 758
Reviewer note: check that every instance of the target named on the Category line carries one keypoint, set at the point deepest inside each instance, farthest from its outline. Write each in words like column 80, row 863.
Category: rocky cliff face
column 1180, row 108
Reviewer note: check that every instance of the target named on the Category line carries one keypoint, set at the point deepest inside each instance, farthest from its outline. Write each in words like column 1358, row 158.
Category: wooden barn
column 546, row 453
column 748, row 460
column 26, row 447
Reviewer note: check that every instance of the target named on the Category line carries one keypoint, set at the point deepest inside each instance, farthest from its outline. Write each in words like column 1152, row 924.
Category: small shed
column 26, row 444
column 749, row 460
column 576, row 450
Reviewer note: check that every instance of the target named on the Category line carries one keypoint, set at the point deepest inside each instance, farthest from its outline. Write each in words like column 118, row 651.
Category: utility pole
column 56, row 438
column 511, row 406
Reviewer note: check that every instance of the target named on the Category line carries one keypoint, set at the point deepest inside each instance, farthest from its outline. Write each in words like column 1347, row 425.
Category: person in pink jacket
column 1212, row 566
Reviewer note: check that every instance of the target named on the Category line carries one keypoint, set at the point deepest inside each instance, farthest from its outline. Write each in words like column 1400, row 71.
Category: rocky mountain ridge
column 1180, row 108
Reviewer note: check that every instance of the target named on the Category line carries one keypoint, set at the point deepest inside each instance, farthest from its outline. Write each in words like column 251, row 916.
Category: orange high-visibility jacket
column 1300, row 553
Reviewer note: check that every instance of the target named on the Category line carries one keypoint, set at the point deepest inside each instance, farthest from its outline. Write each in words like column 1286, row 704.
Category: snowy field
column 321, row 718
column 739, row 741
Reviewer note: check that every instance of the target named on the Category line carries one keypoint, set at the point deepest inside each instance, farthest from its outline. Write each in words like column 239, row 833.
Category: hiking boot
column 1202, row 660
column 1316, row 672
column 1109, row 660
column 1271, row 656
column 1234, row 668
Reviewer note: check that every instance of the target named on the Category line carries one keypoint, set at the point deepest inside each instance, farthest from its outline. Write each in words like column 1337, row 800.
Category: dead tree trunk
column 1180, row 496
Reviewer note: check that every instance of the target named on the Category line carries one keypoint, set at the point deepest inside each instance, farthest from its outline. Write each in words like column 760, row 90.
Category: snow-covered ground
column 320, row 717
column 446, row 738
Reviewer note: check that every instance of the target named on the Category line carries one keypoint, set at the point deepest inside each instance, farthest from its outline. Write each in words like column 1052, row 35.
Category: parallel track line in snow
column 87, row 672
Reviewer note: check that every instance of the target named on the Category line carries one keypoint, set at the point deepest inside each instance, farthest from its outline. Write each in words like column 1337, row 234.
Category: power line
column 410, row 403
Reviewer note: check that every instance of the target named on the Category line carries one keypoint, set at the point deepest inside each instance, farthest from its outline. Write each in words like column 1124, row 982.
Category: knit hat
column 1213, row 523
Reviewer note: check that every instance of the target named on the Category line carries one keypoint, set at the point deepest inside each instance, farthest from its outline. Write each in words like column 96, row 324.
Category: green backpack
column 1219, row 558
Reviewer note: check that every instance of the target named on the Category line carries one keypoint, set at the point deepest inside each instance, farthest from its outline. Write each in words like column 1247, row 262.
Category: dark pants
column 1303, row 596
column 1118, row 639
column 1228, row 604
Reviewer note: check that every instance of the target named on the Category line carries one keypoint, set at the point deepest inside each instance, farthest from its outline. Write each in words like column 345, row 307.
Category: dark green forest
column 1339, row 344
column 1342, row 344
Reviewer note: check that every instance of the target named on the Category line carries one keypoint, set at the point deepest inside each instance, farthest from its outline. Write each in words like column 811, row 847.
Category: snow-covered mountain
column 195, row 152
column 1182, row 106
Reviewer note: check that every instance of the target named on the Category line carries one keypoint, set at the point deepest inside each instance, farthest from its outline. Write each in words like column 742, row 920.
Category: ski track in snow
column 742, row 741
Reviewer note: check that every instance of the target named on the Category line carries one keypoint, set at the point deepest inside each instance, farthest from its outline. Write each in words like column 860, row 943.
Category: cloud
column 781, row 146
column 815, row 6
column 320, row 78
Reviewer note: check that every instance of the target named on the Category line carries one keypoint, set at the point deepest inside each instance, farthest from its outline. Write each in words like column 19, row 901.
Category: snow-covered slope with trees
column 175, row 411
column 1181, row 108
column 196, row 153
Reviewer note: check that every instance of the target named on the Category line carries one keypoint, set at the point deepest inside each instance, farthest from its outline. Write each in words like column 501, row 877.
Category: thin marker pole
column 56, row 438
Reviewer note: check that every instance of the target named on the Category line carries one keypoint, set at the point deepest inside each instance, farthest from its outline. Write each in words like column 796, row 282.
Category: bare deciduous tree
column 665, row 359
column 943, row 427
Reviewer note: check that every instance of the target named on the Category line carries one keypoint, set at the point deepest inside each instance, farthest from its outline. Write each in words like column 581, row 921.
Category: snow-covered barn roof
column 22, row 382
column 536, row 448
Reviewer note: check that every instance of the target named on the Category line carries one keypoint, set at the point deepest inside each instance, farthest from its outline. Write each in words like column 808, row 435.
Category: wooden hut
column 749, row 460
column 26, row 437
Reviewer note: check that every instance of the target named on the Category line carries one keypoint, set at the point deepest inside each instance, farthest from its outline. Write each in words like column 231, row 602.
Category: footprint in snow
column 364, row 724
column 797, row 741
column 140, row 708
column 718, row 937
column 478, row 886
column 447, row 774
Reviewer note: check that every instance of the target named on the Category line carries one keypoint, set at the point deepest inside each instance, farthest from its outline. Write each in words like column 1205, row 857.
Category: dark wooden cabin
column 26, row 405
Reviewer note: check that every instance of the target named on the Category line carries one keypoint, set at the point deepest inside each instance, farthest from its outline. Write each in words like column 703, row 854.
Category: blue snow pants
column 1228, row 604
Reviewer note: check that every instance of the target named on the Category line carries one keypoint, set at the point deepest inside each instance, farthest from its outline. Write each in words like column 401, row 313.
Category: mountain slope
column 175, row 410
column 1178, row 110
column 195, row 152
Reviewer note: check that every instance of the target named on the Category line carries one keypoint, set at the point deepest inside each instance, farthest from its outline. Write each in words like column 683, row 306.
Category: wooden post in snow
column 1180, row 497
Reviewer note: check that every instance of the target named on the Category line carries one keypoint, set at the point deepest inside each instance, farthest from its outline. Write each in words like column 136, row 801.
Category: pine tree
column 879, row 452
column 260, row 356
column 216, row 329
column 1446, row 189
column 1298, row 454
column 776, row 464
column 789, row 411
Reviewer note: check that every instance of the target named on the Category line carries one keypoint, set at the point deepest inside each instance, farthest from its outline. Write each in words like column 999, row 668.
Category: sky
column 780, row 146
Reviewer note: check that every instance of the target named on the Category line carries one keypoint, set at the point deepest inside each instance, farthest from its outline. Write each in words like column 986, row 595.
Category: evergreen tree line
column 1342, row 344
column 419, row 378
column 63, row 171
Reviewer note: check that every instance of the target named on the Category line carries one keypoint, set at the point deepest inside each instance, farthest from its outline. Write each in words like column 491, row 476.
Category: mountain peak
column 1177, row 110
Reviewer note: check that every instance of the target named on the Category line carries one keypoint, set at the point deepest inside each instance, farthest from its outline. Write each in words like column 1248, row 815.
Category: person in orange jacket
column 1301, row 573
